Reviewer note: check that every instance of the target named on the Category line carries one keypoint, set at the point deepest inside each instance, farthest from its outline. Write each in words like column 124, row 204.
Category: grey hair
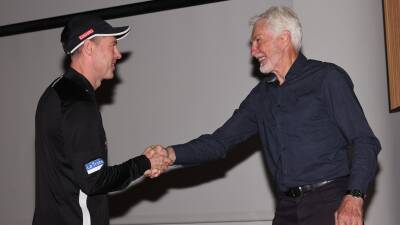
column 280, row 18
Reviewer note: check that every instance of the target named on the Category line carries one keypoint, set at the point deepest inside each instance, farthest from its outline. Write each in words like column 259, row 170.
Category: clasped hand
column 159, row 159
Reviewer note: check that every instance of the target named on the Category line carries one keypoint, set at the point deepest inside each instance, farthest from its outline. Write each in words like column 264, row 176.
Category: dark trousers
column 315, row 207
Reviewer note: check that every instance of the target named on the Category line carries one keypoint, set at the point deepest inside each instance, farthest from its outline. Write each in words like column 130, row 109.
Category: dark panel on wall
column 106, row 13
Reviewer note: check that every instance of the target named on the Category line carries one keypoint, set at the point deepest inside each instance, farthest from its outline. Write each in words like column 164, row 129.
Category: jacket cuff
column 142, row 163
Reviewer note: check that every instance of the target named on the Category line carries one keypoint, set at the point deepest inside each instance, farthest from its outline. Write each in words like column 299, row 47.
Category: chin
column 109, row 76
column 265, row 70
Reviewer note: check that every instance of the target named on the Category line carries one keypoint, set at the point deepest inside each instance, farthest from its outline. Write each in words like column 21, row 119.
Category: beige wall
column 187, row 70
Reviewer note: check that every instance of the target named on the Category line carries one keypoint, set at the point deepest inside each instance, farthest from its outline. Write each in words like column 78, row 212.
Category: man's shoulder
column 68, row 90
column 313, row 64
column 330, row 74
column 323, row 69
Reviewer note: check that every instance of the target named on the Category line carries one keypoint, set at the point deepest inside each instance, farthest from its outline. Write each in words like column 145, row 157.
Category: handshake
column 160, row 158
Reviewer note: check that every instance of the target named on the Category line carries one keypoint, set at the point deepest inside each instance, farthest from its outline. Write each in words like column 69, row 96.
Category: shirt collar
column 294, row 72
column 79, row 79
column 297, row 68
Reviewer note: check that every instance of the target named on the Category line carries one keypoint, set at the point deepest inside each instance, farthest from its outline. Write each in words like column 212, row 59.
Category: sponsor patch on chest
column 94, row 165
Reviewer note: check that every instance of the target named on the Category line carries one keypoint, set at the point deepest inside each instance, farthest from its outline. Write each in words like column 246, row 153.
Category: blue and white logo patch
column 94, row 165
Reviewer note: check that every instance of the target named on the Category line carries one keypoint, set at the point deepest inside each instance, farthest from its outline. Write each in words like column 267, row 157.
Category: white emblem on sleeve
column 94, row 165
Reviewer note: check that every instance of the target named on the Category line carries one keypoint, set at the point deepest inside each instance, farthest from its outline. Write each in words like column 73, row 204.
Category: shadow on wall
column 371, row 192
column 153, row 189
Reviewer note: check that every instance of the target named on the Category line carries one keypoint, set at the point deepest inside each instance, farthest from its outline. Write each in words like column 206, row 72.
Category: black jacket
column 72, row 176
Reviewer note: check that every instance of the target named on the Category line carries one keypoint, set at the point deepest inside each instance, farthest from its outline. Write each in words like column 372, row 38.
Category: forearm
column 200, row 150
column 116, row 177
column 364, row 165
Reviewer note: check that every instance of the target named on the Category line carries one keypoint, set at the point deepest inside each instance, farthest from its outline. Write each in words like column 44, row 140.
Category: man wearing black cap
column 72, row 176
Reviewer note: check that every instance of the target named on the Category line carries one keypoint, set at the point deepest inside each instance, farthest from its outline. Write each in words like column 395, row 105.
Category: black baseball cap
column 86, row 27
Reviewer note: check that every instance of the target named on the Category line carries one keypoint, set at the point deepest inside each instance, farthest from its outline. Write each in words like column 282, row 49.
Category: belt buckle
column 295, row 192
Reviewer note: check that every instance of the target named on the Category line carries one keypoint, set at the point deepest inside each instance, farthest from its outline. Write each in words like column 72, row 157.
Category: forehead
column 106, row 39
column 260, row 27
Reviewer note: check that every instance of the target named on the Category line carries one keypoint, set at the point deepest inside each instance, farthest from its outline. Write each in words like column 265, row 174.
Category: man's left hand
column 350, row 211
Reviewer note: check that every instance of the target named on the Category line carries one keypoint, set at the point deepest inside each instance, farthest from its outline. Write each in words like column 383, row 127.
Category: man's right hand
column 159, row 158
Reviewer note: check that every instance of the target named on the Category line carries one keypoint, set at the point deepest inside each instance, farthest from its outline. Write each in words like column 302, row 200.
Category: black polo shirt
column 72, row 176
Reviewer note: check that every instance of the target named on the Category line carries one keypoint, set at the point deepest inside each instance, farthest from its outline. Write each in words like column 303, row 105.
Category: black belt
column 296, row 192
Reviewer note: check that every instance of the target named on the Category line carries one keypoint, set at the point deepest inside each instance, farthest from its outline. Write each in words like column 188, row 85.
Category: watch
column 356, row 193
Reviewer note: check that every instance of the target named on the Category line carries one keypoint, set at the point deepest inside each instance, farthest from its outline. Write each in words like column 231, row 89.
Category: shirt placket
column 279, row 119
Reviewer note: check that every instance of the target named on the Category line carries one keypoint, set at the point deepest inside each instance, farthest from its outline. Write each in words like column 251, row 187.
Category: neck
column 287, row 60
column 80, row 67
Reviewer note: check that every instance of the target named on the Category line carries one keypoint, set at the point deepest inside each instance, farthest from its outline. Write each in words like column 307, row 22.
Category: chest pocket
column 303, row 98
column 306, row 106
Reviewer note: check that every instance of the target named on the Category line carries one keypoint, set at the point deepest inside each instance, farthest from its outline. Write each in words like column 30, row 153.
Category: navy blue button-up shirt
column 306, row 126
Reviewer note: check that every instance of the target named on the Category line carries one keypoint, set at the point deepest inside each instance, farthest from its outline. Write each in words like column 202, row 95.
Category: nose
column 253, row 49
column 117, row 54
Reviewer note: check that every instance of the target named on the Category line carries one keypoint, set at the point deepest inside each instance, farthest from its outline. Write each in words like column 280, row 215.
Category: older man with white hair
column 307, row 116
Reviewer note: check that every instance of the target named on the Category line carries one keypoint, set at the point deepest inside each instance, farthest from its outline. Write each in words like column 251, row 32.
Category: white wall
column 186, row 71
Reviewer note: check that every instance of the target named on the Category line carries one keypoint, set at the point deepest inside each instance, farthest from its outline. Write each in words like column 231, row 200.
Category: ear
column 285, row 38
column 87, row 47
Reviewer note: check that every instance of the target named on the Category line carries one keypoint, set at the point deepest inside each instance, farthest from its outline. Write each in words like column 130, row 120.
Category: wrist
column 171, row 154
column 356, row 193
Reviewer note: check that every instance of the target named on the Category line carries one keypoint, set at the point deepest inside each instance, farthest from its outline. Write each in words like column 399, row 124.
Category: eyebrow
column 255, row 37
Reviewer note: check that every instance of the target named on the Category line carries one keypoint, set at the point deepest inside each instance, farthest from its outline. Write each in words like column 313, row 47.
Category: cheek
column 264, row 49
column 102, row 62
